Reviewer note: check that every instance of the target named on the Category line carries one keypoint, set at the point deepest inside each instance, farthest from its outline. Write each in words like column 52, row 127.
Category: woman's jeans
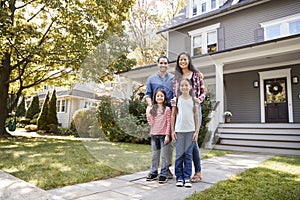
column 196, row 150
column 184, row 150
column 158, row 147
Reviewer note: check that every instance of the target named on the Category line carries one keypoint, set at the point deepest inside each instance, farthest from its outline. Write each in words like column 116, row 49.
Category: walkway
column 132, row 186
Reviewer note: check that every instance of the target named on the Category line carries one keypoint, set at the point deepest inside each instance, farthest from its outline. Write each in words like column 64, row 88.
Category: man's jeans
column 184, row 149
column 158, row 147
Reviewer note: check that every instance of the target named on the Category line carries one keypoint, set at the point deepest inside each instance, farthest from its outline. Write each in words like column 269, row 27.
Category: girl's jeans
column 196, row 150
column 158, row 147
column 184, row 149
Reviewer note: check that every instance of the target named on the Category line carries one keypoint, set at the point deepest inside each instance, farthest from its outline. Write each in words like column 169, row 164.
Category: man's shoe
column 151, row 177
column 170, row 175
column 162, row 179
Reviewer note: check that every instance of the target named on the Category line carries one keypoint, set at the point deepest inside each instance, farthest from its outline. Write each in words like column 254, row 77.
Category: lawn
column 53, row 163
column 276, row 178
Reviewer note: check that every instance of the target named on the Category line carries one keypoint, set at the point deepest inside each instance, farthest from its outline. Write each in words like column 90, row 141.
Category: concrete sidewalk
column 133, row 186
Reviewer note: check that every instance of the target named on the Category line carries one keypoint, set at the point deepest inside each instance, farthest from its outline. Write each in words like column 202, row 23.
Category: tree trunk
column 5, row 71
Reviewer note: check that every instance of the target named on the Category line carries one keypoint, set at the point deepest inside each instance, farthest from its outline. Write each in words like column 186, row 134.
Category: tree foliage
column 33, row 108
column 42, row 119
column 44, row 40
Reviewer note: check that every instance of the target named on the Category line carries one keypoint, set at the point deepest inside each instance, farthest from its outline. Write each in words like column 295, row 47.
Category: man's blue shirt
column 155, row 81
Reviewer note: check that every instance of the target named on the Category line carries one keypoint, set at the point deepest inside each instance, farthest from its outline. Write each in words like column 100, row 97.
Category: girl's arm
column 196, row 117
column 173, row 119
column 168, row 119
column 148, row 115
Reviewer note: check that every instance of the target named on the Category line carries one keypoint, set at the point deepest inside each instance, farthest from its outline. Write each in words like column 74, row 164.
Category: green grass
column 276, row 178
column 52, row 163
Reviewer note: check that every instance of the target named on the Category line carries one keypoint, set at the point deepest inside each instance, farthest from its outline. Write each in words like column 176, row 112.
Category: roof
column 181, row 20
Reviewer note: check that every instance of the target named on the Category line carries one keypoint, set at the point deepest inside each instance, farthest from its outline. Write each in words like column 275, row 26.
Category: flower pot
column 227, row 119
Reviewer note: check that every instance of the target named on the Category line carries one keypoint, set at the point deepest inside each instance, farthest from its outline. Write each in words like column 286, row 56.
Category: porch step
column 264, row 138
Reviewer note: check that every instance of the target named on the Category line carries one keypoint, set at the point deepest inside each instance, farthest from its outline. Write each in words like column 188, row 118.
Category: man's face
column 163, row 65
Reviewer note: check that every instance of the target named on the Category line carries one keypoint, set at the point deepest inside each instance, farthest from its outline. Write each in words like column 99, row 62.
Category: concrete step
column 284, row 145
column 278, row 151
column 261, row 125
column 261, row 137
column 270, row 131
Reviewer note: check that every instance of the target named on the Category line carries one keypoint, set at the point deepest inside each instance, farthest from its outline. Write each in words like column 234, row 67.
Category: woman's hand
column 173, row 102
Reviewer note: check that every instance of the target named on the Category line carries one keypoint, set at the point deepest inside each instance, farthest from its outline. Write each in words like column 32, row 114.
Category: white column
column 219, row 92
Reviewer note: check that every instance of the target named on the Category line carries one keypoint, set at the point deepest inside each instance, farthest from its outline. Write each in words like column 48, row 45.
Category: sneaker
column 188, row 184
column 162, row 179
column 151, row 177
column 179, row 183
column 170, row 175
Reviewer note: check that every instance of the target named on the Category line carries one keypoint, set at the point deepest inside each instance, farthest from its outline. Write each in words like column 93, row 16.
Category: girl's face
column 160, row 98
column 185, row 87
column 183, row 61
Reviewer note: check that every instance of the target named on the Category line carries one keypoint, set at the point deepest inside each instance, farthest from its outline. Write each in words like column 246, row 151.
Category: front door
column 276, row 107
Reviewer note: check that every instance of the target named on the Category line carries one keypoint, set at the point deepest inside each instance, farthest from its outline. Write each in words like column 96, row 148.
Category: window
column 282, row 27
column 199, row 7
column 204, row 40
column 62, row 106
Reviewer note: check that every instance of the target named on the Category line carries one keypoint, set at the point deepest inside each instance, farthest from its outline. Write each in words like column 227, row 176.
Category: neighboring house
column 249, row 53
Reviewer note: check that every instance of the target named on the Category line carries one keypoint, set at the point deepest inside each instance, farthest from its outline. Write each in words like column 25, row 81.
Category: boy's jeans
column 158, row 147
column 184, row 149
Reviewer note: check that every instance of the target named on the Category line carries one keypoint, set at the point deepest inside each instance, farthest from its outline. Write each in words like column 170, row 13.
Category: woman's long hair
column 153, row 111
column 178, row 70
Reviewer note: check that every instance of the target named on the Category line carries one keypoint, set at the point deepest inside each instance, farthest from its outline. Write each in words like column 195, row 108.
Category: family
column 175, row 116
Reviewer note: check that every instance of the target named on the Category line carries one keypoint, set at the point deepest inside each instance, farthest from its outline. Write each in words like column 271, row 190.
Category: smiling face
column 160, row 98
column 185, row 86
column 163, row 65
column 183, row 61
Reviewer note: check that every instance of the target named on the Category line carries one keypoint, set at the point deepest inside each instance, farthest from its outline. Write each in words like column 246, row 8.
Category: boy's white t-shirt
column 185, row 121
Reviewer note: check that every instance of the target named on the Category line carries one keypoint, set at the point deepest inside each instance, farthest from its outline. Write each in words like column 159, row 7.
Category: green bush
column 67, row 131
column 52, row 113
column 34, row 108
column 42, row 118
column 21, row 110
column 86, row 124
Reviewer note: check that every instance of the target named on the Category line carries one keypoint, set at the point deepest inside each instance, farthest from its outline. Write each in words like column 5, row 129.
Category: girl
column 184, row 125
column 185, row 69
column 159, row 117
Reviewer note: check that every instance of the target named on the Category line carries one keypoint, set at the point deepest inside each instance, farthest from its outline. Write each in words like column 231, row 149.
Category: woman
column 185, row 69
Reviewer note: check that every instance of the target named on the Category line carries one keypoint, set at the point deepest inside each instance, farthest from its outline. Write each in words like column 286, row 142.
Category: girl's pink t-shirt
column 161, row 123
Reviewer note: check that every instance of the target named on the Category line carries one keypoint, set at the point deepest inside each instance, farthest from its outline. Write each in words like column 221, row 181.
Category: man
column 161, row 79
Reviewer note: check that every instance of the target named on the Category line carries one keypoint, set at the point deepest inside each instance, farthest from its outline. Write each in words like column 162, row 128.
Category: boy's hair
column 163, row 57
column 153, row 110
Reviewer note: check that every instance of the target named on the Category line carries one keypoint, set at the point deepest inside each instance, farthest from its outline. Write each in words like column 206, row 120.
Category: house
column 249, row 52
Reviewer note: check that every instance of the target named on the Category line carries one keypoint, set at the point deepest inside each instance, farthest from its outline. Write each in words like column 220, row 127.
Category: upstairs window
column 62, row 106
column 282, row 27
column 204, row 40
column 199, row 7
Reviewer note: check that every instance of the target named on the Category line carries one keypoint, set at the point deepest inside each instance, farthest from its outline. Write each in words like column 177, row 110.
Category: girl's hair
column 153, row 111
column 191, row 93
column 178, row 70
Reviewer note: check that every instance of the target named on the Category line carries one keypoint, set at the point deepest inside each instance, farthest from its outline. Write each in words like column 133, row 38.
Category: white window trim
column 283, row 22
column 203, row 31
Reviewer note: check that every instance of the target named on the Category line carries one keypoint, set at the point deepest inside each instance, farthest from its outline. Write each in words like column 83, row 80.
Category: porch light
column 295, row 79
column 255, row 84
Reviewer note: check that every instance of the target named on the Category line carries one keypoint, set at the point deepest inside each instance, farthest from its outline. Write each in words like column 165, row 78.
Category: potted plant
column 227, row 115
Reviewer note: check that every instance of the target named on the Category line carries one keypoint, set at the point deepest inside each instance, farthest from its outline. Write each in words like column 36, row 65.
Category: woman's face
column 183, row 61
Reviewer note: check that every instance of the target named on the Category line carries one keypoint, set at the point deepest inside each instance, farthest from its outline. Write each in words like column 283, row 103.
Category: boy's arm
column 196, row 116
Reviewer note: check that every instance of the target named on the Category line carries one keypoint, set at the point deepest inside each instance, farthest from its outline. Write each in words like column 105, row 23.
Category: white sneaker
column 179, row 183
column 187, row 184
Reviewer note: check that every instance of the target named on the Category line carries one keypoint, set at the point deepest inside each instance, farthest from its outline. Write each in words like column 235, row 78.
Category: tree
column 52, row 113
column 34, row 108
column 44, row 40
column 42, row 119
column 21, row 110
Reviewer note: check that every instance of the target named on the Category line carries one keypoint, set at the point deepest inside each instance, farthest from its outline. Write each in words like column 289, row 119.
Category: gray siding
column 296, row 93
column 241, row 99
column 239, row 27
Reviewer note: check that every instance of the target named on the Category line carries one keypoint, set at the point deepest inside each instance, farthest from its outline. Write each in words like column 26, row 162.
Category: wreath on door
column 275, row 88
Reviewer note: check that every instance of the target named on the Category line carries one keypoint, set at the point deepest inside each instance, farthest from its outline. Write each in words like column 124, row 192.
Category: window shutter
column 221, row 39
column 259, row 35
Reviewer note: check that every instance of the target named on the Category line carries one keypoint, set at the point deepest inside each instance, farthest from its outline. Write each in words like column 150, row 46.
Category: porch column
column 219, row 92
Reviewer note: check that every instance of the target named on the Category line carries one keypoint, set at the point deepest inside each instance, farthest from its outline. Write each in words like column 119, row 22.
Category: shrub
column 52, row 113
column 33, row 108
column 42, row 118
column 21, row 110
